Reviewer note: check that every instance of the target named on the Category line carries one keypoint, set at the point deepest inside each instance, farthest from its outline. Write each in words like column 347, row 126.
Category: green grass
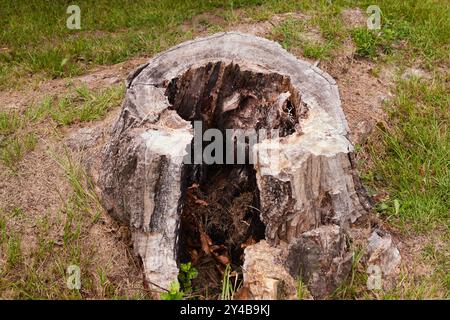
column 62, row 240
column 292, row 33
column 13, row 251
column 419, row 29
column 16, row 148
column 230, row 287
column 413, row 166
column 81, row 105
column 302, row 289
column 288, row 33
column 86, row 106
column 316, row 51
column 3, row 232
column 9, row 122
column 83, row 206
column 37, row 41
column 355, row 284
column 36, row 112
column 84, row 198
column 367, row 42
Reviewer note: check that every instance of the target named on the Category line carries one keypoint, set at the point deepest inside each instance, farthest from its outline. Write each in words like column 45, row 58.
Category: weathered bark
column 265, row 276
column 232, row 80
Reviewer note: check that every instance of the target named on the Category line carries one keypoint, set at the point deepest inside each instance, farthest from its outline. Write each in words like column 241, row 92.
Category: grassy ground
column 34, row 38
column 33, row 276
column 405, row 163
column 81, row 105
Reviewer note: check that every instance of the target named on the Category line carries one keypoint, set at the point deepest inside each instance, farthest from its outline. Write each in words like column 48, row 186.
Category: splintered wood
column 273, row 220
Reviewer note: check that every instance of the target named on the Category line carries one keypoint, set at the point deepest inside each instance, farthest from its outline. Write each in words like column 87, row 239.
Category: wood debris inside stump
column 221, row 215
column 219, row 220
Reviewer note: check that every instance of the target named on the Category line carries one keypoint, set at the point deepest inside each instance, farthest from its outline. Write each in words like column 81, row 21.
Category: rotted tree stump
column 290, row 213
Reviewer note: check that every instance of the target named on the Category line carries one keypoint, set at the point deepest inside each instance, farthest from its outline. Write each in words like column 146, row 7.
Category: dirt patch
column 354, row 18
column 39, row 191
column 208, row 23
column 364, row 85
column 202, row 22
column 313, row 35
column 262, row 28
column 416, row 73
column 362, row 94
column 265, row 28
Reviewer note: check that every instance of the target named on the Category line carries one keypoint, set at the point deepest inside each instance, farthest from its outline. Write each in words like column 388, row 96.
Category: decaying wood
column 307, row 198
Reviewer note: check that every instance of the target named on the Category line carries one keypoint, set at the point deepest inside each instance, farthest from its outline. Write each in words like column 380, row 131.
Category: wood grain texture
column 310, row 193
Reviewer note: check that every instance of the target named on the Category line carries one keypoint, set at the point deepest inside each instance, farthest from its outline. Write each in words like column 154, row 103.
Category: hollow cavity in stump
column 221, row 211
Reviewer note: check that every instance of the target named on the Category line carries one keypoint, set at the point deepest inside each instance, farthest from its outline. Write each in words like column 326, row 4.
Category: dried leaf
column 194, row 256
column 206, row 242
column 194, row 186
column 223, row 259
column 242, row 294
column 250, row 241
column 200, row 202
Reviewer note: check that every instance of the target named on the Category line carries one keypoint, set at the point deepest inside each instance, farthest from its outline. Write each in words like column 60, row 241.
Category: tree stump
column 299, row 204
